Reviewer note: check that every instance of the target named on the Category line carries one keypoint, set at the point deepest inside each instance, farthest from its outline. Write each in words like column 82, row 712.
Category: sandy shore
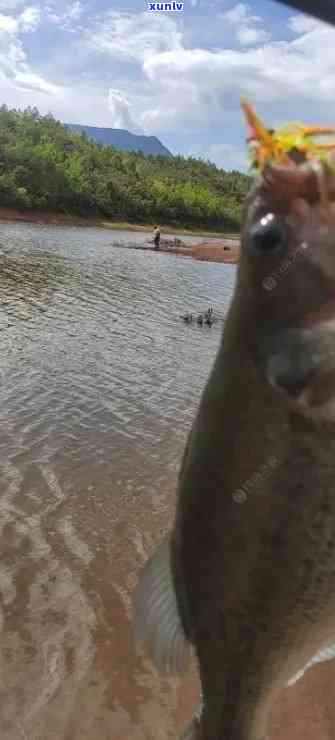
column 226, row 251
column 220, row 252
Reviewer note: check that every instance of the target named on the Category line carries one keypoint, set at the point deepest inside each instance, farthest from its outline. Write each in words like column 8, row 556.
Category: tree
column 45, row 165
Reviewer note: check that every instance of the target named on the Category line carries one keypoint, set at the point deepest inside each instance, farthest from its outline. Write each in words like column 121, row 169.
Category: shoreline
column 226, row 251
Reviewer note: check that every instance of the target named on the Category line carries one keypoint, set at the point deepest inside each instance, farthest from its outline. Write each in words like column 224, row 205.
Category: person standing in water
column 157, row 237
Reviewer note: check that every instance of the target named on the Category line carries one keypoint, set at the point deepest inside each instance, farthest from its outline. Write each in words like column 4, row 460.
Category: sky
column 175, row 75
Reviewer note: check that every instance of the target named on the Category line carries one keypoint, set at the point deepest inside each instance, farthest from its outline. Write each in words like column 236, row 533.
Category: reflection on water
column 99, row 383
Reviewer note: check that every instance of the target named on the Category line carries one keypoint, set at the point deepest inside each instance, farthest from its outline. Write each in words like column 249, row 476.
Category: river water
column 100, row 380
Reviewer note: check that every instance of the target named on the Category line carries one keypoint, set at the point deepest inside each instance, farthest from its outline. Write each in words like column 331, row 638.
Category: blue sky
column 176, row 75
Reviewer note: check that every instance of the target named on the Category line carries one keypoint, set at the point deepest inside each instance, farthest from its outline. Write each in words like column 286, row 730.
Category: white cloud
column 227, row 156
column 194, row 88
column 304, row 24
column 180, row 88
column 15, row 55
column 8, row 24
column 120, row 110
column 246, row 25
column 15, row 71
column 9, row 5
column 239, row 14
column 27, row 21
column 30, row 19
column 14, row 67
column 65, row 17
column 75, row 11
column 25, row 78
column 200, row 86
column 251, row 36
column 134, row 36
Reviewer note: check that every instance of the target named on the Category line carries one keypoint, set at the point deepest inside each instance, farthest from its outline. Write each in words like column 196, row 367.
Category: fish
column 244, row 583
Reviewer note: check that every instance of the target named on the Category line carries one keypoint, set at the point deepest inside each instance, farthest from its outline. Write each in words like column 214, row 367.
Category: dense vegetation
column 44, row 166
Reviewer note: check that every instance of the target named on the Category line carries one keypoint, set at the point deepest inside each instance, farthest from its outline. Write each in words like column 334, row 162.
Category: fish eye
column 267, row 235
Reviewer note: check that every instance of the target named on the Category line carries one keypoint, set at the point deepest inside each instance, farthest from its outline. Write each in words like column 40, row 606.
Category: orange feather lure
column 288, row 145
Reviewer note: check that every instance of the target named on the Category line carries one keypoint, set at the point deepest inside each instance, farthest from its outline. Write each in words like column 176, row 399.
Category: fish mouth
column 307, row 392
column 300, row 361
column 300, row 365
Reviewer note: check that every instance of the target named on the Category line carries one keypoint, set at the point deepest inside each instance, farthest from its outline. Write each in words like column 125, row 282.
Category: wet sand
column 227, row 251
column 69, row 669
column 306, row 711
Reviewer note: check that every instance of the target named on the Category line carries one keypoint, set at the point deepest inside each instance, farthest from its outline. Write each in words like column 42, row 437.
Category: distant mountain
column 122, row 139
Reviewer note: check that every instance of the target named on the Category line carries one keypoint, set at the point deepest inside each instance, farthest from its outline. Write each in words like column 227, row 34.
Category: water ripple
column 99, row 383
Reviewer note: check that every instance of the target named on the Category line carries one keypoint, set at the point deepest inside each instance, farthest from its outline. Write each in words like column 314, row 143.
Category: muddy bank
column 226, row 251
column 207, row 252
column 60, row 219
column 8, row 215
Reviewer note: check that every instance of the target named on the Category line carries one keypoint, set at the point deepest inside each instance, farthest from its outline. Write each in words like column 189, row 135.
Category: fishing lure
column 288, row 145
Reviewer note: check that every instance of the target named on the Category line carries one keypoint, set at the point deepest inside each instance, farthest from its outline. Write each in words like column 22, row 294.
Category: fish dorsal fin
column 156, row 618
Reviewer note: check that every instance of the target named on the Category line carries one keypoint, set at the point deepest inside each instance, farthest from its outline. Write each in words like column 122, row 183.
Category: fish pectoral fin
column 322, row 656
column 156, row 618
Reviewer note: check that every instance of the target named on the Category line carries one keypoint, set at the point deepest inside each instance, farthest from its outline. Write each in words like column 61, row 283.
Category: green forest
column 46, row 167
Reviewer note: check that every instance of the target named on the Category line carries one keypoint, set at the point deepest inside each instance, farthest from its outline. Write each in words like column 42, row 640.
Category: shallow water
column 100, row 380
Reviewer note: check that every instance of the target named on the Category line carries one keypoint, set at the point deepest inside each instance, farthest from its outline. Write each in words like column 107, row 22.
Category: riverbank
column 61, row 219
column 226, row 250
column 46, row 219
